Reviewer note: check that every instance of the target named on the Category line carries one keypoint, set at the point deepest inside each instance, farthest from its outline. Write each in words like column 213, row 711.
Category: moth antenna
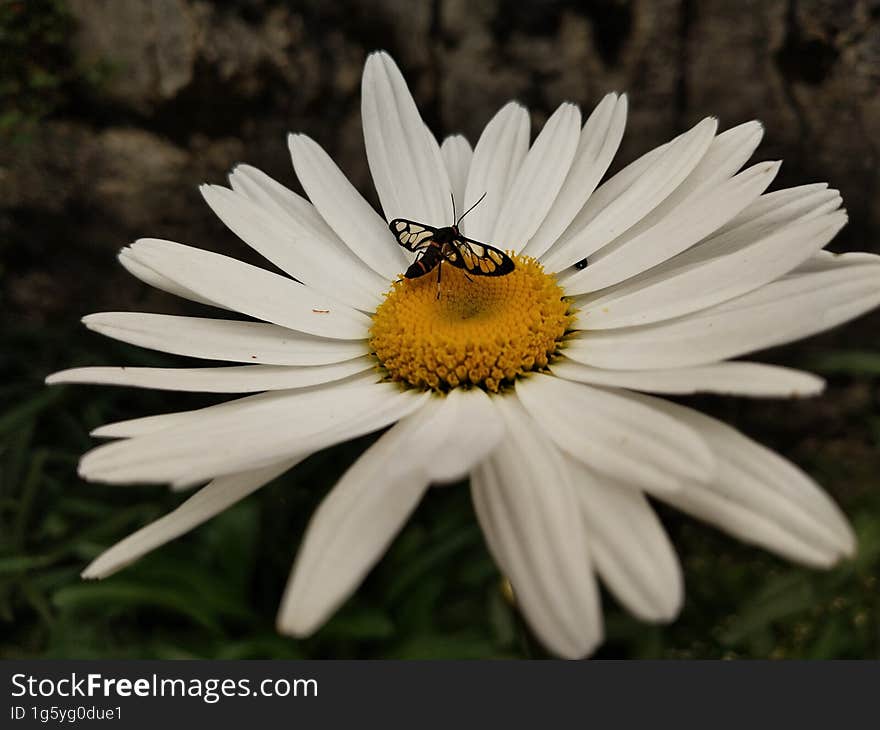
column 471, row 208
column 452, row 195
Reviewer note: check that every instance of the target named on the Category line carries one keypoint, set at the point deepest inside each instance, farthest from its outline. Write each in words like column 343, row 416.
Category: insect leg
column 439, row 272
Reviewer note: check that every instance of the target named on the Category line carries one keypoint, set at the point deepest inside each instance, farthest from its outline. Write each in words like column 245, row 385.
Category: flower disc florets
column 482, row 331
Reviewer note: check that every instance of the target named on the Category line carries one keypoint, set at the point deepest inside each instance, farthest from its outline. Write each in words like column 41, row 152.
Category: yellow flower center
column 483, row 331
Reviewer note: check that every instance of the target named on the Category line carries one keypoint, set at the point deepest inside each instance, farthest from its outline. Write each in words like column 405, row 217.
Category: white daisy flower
column 534, row 383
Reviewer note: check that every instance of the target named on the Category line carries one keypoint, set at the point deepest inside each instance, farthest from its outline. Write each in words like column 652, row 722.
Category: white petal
column 615, row 435
column 539, row 179
column 709, row 274
column 777, row 209
column 151, row 424
column 281, row 200
column 757, row 221
column 457, row 155
column 726, row 154
column 365, row 510
column 497, row 158
column 599, row 140
column 706, row 189
column 729, row 378
column 616, row 186
column 349, row 532
column 691, row 221
column 222, row 339
column 796, row 306
column 210, row 500
column 752, row 227
column 317, row 259
column 352, row 218
column 256, row 432
column 406, row 163
column 760, row 497
column 830, row 261
column 241, row 379
column 528, row 510
column 463, row 428
column 154, row 279
column 630, row 548
column 253, row 291
column 630, row 195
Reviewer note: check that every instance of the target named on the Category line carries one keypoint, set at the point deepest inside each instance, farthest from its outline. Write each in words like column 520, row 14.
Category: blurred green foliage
column 214, row 592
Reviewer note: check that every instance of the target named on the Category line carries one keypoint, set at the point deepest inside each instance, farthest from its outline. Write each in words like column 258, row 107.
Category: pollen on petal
column 481, row 331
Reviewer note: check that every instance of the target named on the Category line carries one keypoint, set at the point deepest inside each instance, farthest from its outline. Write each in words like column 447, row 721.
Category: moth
column 436, row 246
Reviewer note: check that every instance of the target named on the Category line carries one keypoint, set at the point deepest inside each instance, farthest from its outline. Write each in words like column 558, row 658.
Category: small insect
column 321, row 311
column 438, row 245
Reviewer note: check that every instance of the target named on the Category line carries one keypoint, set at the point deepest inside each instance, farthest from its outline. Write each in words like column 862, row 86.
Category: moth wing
column 411, row 235
column 479, row 258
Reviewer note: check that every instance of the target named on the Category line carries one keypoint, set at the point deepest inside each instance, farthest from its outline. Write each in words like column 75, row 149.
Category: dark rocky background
column 113, row 111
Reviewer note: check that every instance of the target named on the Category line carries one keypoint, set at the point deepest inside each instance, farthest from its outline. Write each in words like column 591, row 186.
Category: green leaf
column 430, row 559
column 30, row 409
column 501, row 619
column 448, row 646
column 117, row 596
column 780, row 598
column 23, row 563
column 361, row 624
column 847, row 362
